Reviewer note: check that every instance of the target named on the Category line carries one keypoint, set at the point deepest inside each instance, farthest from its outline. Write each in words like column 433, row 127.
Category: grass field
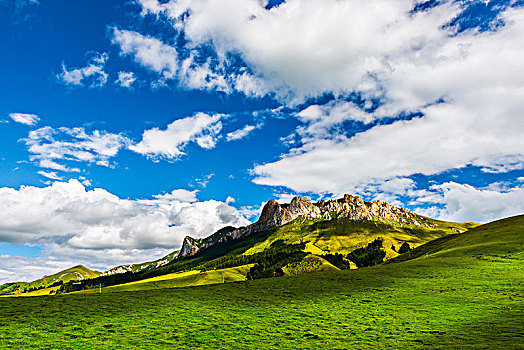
column 183, row 279
column 460, row 291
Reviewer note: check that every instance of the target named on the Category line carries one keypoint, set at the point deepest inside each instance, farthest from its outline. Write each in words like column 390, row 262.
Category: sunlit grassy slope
column 461, row 291
column 74, row 273
column 343, row 235
column 184, row 279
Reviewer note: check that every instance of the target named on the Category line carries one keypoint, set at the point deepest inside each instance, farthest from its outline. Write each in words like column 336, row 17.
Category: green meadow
column 458, row 291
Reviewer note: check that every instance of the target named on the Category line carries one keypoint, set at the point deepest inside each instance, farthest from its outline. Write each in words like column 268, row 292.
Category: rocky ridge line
column 275, row 215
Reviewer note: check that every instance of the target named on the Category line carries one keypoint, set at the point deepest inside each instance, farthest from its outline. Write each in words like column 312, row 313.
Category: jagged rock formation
column 190, row 246
column 275, row 214
column 118, row 269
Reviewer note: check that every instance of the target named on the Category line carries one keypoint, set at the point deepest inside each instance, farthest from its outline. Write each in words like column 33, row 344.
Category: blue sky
column 126, row 125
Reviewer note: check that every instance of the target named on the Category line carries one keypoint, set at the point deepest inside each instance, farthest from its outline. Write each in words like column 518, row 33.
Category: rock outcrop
column 275, row 215
column 118, row 270
column 190, row 246
column 141, row 267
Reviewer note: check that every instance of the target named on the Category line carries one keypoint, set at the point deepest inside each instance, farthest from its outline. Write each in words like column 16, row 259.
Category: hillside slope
column 76, row 273
column 338, row 225
column 501, row 240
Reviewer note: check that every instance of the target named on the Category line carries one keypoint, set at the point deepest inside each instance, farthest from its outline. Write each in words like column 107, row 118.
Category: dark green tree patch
column 371, row 255
column 404, row 248
column 337, row 260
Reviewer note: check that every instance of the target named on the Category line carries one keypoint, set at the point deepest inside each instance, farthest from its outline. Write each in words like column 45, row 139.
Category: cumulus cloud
column 179, row 195
column 24, row 118
column 99, row 228
column 202, row 129
column 477, row 80
column 125, row 79
column 296, row 49
column 463, row 202
column 92, row 75
column 48, row 145
column 467, row 87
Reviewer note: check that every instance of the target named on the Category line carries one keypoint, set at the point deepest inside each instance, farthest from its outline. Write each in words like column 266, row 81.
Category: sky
column 126, row 125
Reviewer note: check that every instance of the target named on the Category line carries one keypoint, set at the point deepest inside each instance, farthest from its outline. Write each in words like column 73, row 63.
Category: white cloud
column 98, row 228
column 125, row 79
column 23, row 118
column 50, row 175
column 49, row 164
column 204, row 180
column 48, row 145
column 297, row 49
column 92, row 75
column 480, row 77
column 179, row 195
column 202, row 129
column 240, row 133
column 190, row 72
column 464, row 202
column 148, row 51
column 407, row 60
column 319, row 120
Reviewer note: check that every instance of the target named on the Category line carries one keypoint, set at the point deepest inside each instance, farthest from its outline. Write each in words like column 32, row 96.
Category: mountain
column 143, row 266
column 292, row 238
column 295, row 238
column 76, row 273
column 349, row 208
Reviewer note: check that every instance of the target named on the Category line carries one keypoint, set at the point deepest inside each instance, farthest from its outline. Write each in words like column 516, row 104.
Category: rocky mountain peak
column 190, row 247
column 301, row 206
column 275, row 214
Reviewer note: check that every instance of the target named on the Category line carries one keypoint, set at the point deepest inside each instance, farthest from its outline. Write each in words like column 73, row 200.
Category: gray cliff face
column 275, row 215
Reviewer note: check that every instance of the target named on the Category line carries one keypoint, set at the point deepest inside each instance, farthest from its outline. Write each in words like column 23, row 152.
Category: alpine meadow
column 262, row 174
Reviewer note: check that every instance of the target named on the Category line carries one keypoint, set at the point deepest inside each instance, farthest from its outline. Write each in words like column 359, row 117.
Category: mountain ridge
column 319, row 228
column 275, row 214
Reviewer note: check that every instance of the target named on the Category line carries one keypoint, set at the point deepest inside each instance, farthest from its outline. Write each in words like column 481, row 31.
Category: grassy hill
column 460, row 291
column 47, row 284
